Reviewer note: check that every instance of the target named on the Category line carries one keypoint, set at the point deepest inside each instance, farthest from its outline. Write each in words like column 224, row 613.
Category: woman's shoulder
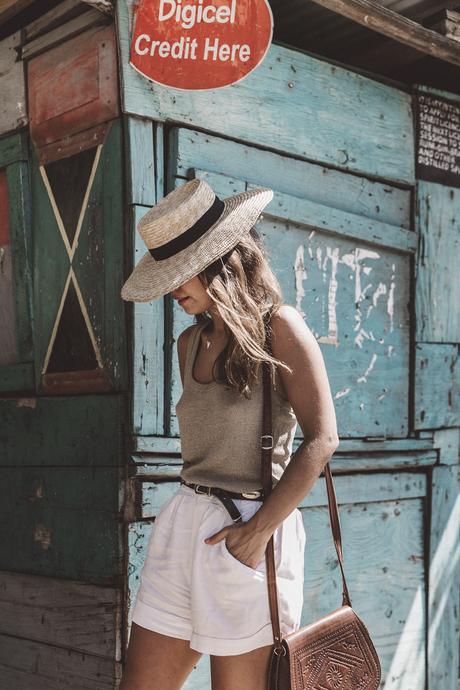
column 285, row 313
column 184, row 337
column 285, row 322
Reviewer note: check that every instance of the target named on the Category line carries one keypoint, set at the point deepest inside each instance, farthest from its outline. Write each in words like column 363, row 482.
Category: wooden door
column 78, row 230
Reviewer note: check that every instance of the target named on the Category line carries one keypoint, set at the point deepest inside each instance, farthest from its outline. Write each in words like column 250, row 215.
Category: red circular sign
column 200, row 44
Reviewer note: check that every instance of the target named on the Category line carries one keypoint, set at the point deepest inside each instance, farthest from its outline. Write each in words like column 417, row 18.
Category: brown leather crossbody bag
column 335, row 651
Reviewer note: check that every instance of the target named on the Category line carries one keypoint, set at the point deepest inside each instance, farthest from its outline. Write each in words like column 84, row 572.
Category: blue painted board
column 437, row 283
column 293, row 102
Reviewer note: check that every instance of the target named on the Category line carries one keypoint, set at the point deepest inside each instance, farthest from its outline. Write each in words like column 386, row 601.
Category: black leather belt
column 226, row 496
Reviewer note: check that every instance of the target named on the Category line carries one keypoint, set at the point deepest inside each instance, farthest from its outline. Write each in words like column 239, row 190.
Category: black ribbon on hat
column 190, row 235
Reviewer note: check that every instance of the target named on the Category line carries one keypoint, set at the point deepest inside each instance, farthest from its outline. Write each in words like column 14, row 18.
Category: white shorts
column 200, row 592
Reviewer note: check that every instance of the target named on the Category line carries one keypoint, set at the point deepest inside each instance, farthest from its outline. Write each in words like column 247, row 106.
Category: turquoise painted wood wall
column 356, row 255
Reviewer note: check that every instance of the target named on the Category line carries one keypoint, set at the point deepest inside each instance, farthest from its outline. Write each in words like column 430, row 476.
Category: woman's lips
column 182, row 300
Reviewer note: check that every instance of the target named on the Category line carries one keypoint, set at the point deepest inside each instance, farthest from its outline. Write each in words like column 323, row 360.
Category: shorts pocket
column 260, row 567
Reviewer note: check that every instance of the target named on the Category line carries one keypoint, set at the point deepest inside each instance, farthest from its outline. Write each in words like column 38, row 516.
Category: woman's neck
column 217, row 326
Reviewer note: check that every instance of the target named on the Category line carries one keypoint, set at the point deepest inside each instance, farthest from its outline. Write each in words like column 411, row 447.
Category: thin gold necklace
column 209, row 343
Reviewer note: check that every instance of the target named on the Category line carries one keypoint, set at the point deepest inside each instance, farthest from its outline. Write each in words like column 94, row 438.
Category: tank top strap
column 192, row 347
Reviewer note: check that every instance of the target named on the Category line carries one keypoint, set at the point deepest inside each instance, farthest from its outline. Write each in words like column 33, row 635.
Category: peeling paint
column 341, row 393
column 333, row 255
column 300, row 276
column 390, row 302
column 363, row 378
column 353, row 260
column 42, row 536
column 360, row 337
column 27, row 402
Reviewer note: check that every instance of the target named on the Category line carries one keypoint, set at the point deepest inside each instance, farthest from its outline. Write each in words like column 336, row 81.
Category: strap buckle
column 279, row 651
column 269, row 436
column 207, row 489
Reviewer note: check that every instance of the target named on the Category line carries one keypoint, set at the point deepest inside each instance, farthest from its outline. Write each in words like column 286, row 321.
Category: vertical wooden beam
column 444, row 579
column 144, row 169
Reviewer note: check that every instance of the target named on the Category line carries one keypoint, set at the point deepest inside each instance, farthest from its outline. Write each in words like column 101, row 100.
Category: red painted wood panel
column 73, row 86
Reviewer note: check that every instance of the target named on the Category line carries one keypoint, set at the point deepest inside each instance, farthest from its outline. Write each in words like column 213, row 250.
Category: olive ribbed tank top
column 220, row 430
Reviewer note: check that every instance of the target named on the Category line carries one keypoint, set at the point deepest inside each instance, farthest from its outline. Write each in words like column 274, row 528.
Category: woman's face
column 192, row 296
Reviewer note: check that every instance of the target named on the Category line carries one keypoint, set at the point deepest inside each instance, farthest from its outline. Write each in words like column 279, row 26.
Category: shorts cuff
column 159, row 621
column 230, row 647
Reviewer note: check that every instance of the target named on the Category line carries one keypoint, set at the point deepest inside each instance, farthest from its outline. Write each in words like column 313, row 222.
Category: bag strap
column 267, row 447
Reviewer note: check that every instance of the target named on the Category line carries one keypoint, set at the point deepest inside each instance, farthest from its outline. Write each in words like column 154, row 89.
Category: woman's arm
column 310, row 395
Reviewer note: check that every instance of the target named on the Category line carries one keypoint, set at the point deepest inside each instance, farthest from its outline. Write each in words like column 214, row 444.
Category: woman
column 203, row 585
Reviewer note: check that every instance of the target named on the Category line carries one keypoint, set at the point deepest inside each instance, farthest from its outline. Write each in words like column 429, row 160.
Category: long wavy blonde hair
column 245, row 293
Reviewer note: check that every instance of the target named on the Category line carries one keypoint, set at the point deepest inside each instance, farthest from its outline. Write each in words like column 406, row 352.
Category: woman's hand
column 243, row 542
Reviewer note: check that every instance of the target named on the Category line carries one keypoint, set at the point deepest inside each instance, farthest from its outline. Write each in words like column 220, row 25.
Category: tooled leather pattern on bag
column 342, row 660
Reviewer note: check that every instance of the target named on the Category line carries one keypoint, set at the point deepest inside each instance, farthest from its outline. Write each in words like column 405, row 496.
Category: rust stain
column 27, row 402
column 43, row 536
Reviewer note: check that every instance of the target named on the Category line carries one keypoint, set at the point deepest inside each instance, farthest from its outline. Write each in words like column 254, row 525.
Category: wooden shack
column 362, row 153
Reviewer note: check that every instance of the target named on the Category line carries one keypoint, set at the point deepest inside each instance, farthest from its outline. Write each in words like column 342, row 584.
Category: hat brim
column 153, row 279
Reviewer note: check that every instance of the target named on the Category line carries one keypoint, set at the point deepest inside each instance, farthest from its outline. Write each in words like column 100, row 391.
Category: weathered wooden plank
column 145, row 164
column 314, row 215
column 73, row 86
column 101, row 244
column 140, row 162
column 9, row 9
column 37, row 427
column 349, row 489
column 154, row 444
column 19, row 196
column 65, row 613
column 437, row 291
column 56, row 15
column 8, row 335
column 156, row 467
column 17, row 377
column 62, row 33
column 159, row 144
column 353, row 194
column 444, row 579
column 148, row 379
column 376, row 140
column 16, row 348
column 148, row 355
column 30, row 665
column 13, row 106
column 448, row 442
column 61, row 521
column 13, row 149
column 436, row 386
column 396, row 26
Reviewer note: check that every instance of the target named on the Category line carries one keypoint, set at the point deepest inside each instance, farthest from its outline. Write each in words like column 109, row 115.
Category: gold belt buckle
column 251, row 494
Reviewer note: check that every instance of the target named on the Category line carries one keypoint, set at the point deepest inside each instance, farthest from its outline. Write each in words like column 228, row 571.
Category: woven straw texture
column 175, row 213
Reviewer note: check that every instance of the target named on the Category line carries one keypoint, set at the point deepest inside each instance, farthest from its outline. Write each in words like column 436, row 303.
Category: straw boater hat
column 185, row 232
